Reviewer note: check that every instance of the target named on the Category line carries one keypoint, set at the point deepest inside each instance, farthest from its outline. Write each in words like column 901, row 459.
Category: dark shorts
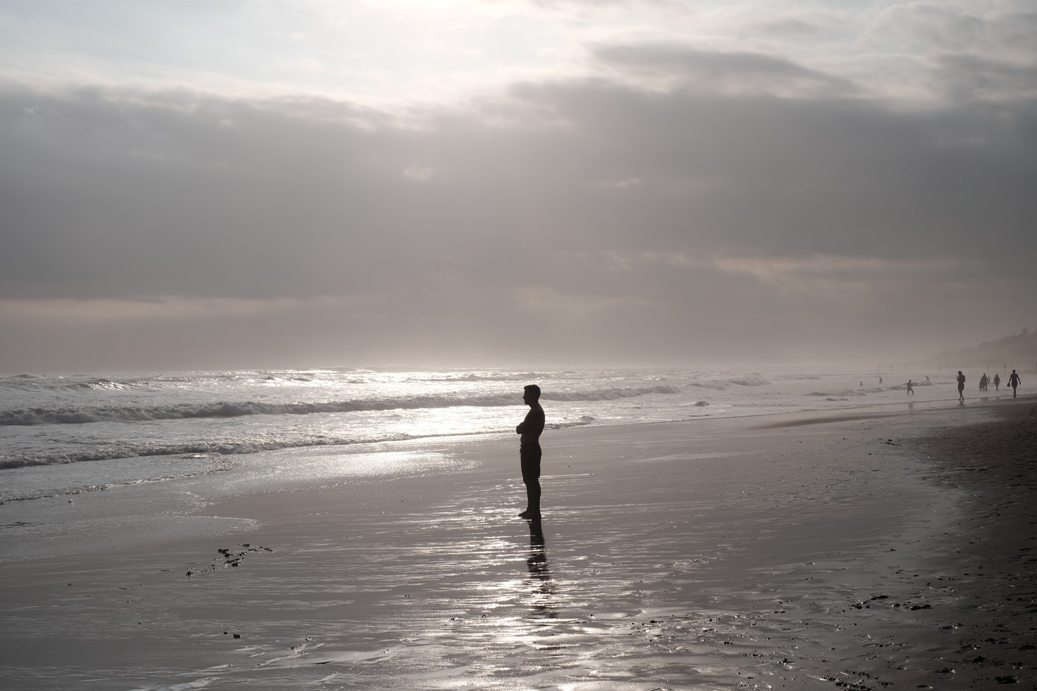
column 530, row 463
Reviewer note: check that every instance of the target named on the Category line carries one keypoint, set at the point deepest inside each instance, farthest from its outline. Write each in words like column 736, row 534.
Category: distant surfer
column 997, row 382
column 910, row 389
column 961, row 387
column 1014, row 381
column 529, row 449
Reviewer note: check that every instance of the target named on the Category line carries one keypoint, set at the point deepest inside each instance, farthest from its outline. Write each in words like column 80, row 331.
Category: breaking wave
column 751, row 379
column 719, row 384
column 842, row 394
column 607, row 394
column 225, row 447
column 226, row 409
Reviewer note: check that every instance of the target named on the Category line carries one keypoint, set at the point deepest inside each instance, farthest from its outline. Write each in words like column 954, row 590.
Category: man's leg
column 531, row 478
column 532, row 496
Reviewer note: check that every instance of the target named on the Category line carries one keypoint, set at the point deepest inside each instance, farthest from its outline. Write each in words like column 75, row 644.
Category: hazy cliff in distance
column 1018, row 351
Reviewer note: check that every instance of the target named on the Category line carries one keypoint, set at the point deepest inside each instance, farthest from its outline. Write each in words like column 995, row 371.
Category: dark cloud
column 769, row 174
column 968, row 78
column 792, row 27
column 741, row 72
column 922, row 27
column 584, row 4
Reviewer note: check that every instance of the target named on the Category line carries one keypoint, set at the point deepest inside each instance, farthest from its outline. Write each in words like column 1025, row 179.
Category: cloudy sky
column 250, row 183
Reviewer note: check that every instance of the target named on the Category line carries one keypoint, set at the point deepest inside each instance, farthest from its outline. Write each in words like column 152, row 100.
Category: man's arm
column 537, row 420
column 522, row 426
column 533, row 425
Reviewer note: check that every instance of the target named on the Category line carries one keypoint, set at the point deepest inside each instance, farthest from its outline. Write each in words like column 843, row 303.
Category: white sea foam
column 156, row 422
column 226, row 409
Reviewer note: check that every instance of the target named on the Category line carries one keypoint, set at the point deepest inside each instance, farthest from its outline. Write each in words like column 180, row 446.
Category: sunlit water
column 74, row 433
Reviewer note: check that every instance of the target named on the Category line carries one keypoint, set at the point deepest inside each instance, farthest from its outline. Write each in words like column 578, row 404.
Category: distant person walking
column 529, row 449
column 997, row 382
column 961, row 387
column 1014, row 381
column 983, row 382
column 910, row 389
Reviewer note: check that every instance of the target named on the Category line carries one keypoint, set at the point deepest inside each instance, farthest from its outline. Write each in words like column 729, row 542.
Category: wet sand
column 803, row 552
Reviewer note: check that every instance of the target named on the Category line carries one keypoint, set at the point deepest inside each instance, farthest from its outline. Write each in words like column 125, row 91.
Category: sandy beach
column 280, row 281
column 890, row 548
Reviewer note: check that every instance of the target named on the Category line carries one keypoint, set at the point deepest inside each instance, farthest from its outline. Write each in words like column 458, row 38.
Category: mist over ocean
column 74, row 433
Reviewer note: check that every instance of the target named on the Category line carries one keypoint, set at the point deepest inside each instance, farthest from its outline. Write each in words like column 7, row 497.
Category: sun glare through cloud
column 383, row 164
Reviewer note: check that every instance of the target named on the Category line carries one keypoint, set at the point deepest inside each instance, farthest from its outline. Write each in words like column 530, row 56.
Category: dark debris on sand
column 964, row 617
column 994, row 587
column 229, row 558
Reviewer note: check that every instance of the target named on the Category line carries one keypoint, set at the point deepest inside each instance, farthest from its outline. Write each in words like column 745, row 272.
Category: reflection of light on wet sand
column 538, row 625
column 628, row 584
column 769, row 569
column 527, row 609
column 391, row 463
column 317, row 655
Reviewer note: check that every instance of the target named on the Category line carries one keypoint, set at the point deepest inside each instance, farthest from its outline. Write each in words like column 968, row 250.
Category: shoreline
column 29, row 479
column 700, row 554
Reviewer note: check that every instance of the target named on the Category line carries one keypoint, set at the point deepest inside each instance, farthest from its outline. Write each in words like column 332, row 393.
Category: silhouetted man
column 961, row 387
column 529, row 449
column 1014, row 381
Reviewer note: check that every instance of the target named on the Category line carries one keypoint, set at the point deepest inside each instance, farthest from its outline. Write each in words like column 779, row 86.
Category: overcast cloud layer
column 651, row 183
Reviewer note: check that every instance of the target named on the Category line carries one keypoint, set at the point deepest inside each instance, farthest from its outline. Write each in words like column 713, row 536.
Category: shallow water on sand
column 703, row 570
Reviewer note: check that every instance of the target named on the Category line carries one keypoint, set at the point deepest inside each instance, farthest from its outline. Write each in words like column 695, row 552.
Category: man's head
column 531, row 393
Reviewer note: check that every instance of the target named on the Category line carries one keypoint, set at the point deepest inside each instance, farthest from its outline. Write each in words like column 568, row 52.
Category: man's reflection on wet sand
column 539, row 574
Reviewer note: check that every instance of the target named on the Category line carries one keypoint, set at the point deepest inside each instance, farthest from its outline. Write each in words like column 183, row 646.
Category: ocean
column 64, row 435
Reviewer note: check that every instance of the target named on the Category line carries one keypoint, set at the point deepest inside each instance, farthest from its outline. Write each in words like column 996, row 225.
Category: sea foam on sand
column 800, row 552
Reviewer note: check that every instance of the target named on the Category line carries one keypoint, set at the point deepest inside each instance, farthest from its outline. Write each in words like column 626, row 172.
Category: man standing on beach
column 1014, row 381
column 529, row 449
column 961, row 387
